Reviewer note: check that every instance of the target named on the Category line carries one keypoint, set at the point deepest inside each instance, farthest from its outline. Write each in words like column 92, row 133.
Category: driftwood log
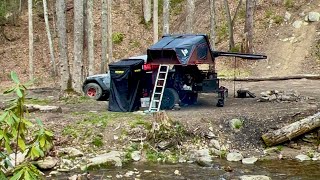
column 273, row 78
column 292, row 130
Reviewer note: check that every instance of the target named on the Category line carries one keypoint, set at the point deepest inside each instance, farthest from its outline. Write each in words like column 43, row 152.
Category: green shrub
column 278, row 19
column 288, row 4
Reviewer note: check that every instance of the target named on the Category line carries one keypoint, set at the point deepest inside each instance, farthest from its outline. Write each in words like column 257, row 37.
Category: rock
column 136, row 155
column 70, row 151
column 273, row 97
column 251, row 160
column 129, row 173
column 254, row 177
column 107, row 159
column 313, row 16
column 47, row 163
column 234, row 157
column 163, row 145
column 147, row 171
column 302, row 157
column 177, row 172
column 54, row 173
column 20, row 158
column 287, row 16
column 297, row 24
column 215, row 144
column 202, row 157
column 74, row 177
column 302, row 14
column 210, row 135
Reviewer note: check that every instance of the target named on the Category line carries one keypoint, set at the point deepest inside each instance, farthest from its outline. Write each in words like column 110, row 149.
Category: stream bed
column 221, row 169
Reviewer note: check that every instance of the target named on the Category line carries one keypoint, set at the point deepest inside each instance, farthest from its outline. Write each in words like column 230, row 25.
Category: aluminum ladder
column 158, row 88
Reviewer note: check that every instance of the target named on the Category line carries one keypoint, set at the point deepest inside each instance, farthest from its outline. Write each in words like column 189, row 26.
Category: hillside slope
column 286, row 55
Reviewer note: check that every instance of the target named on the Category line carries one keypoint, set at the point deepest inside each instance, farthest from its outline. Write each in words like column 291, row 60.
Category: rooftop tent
column 181, row 49
column 125, row 85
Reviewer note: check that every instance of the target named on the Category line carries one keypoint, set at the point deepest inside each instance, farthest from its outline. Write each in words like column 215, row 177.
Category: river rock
column 74, row 177
column 250, row 160
column 254, row 177
column 297, row 24
column 302, row 157
column 234, row 156
column 47, row 163
column 313, row 16
column 107, row 159
column 202, row 157
column 136, row 155
column 215, row 143
column 70, row 151
column 287, row 16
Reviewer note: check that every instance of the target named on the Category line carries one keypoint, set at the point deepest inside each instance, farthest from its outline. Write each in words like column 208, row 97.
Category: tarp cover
column 182, row 45
column 125, row 85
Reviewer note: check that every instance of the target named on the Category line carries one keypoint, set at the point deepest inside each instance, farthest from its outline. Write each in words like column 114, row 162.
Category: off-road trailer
column 170, row 74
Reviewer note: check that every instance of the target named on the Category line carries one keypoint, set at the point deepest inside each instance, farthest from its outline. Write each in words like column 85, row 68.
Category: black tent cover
column 183, row 47
column 125, row 85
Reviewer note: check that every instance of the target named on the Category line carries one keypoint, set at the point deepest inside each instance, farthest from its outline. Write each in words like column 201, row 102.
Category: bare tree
column 63, row 45
column 45, row 12
column 231, row 22
column 155, row 21
column 31, row 70
column 212, row 24
column 90, row 36
column 248, row 29
column 190, row 16
column 166, row 16
column 146, row 10
column 104, row 35
column 77, row 73
column 110, row 52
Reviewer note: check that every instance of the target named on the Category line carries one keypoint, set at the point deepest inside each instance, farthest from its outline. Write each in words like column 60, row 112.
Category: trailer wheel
column 169, row 99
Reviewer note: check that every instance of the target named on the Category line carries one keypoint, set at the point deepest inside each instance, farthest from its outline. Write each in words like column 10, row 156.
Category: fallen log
column 33, row 108
column 292, row 130
column 272, row 78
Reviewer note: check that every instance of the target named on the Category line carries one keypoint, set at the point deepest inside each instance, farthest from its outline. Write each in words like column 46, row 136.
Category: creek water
column 221, row 169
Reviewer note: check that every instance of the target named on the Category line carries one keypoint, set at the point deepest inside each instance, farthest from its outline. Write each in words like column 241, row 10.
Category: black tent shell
column 181, row 49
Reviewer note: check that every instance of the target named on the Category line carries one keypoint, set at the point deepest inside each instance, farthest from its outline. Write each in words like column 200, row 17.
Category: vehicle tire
column 93, row 90
column 169, row 99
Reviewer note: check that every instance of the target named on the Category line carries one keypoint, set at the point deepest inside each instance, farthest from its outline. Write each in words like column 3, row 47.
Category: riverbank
column 198, row 134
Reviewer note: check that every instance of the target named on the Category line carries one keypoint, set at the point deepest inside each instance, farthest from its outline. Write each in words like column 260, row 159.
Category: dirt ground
column 259, row 117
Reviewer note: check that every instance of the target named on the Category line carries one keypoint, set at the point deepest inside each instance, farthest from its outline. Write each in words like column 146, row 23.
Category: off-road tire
column 94, row 91
column 169, row 99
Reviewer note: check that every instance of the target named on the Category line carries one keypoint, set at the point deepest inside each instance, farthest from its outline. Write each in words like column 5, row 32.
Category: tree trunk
column 166, row 16
column 31, row 70
column 292, row 130
column 147, row 10
column 53, row 62
column 212, row 24
column 90, row 37
column 78, row 46
column 63, row 47
column 190, row 16
column 104, row 35
column 248, row 29
column 85, row 60
column 155, row 21
column 110, row 51
column 230, row 25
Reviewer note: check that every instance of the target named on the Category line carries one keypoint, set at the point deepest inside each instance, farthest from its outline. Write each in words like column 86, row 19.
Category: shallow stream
column 221, row 169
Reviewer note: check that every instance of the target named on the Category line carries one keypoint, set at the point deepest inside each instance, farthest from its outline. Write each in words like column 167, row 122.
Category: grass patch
column 97, row 141
column 229, row 73
column 135, row 44
column 278, row 19
column 117, row 37
column 38, row 101
column 76, row 99
column 269, row 13
column 289, row 4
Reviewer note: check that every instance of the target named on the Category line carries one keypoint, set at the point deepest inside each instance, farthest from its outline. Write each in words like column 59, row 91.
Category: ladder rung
column 161, row 79
column 157, row 93
column 156, row 100
column 159, row 86
column 163, row 71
